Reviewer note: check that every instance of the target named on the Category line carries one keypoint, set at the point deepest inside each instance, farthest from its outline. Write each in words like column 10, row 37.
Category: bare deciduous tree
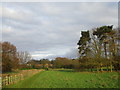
column 23, row 57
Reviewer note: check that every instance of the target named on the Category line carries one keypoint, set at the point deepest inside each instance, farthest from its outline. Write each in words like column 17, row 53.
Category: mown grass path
column 69, row 79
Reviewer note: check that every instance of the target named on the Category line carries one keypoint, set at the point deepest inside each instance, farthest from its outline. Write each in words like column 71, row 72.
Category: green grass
column 69, row 79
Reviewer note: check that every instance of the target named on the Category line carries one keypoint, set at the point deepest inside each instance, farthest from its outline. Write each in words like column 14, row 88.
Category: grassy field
column 69, row 79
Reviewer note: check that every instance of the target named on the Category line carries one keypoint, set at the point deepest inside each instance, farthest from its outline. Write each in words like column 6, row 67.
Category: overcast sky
column 49, row 30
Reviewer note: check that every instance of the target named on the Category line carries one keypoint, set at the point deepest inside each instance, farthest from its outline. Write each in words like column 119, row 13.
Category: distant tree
column 84, row 43
column 61, row 62
column 84, row 48
column 23, row 57
column 44, row 62
column 76, row 64
column 96, row 52
column 114, row 48
column 0, row 57
column 102, row 35
column 107, row 38
column 9, row 59
column 100, row 48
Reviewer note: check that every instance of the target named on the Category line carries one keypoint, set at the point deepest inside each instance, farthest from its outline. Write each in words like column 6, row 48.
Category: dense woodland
column 98, row 51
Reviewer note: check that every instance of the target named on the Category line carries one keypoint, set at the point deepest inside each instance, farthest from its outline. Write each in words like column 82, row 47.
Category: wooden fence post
column 3, row 81
column 0, row 82
column 15, row 78
column 6, row 80
column 10, row 79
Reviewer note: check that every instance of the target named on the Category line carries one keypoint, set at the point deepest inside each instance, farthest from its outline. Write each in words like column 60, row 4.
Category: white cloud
column 7, row 29
column 15, row 14
column 40, row 56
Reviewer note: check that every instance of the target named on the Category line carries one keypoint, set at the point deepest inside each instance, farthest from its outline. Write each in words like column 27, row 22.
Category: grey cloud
column 53, row 28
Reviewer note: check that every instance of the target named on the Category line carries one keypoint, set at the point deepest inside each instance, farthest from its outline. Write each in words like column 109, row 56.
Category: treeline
column 11, row 58
column 59, row 62
column 99, row 49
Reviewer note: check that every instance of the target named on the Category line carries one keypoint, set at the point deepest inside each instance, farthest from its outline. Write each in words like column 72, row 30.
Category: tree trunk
column 105, row 49
column 107, row 68
column 111, row 67
column 101, row 67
